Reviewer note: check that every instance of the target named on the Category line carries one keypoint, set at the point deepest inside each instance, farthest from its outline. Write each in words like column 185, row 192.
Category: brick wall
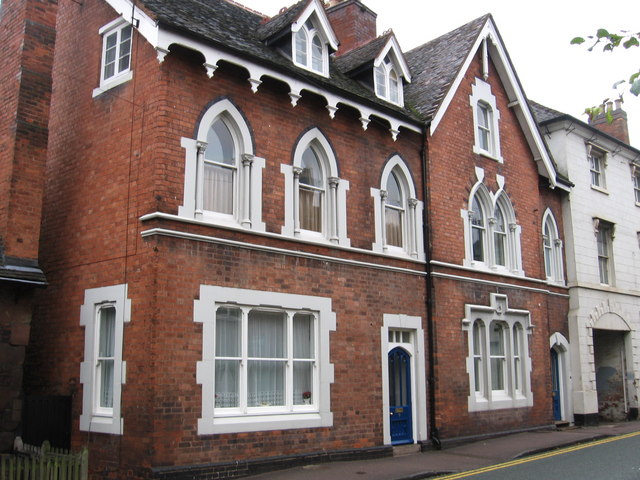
column 27, row 38
column 26, row 55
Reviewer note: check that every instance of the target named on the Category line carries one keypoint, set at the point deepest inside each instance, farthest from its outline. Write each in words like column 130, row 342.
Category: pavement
column 454, row 459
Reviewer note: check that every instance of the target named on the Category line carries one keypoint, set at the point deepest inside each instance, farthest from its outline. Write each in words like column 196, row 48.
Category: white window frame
column 413, row 245
column 517, row 384
column 310, row 30
column 489, row 202
column 95, row 418
column 598, row 159
column 318, row 414
column 552, row 249
column 334, row 228
column 481, row 96
column 605, row 231
column 247, row 201
column 383, row 89
column 118, row 78
column 636, row 185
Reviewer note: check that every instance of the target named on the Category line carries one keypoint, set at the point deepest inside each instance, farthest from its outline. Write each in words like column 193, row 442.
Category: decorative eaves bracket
column 256, row 72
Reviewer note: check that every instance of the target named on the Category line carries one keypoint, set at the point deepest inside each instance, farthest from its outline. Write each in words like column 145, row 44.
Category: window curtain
column 303, row 354
column 393, row 226
column 218, row 189
column 219, row 168
column 227, row 370
column 316, row 54
column 496, row 349
column 477, row 230
column 478, row 342
column 311, row 209
column 106, row 348
column 267, row 358
column 301, row 46
column 500, row 238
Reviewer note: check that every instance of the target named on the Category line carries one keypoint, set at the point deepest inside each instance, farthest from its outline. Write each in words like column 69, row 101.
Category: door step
column 400, row 450
column 562, row 424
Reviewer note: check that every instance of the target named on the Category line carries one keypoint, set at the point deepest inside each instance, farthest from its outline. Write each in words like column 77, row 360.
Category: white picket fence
column 44, row 463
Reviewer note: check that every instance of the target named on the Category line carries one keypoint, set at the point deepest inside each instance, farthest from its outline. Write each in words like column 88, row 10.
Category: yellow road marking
column 533, row 458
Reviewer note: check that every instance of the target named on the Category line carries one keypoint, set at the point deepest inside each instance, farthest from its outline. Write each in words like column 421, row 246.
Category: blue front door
column 555, row 386
column 400, row 396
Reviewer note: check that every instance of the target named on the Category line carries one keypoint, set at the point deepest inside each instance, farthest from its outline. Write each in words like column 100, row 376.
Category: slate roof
column 545, row 114
column 436, row 64
column 363, row 55
column 231, row 27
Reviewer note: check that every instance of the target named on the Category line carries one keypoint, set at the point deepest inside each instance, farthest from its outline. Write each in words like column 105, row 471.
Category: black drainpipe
column 434, row 433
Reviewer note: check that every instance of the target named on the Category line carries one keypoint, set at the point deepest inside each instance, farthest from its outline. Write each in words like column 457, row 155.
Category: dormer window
column 388, row 83
column 309, row 49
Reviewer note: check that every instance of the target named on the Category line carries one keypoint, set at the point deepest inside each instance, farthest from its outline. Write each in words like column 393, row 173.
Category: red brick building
column 240, row 268
column 233, row 236
column 27, row 37
column 498, row 298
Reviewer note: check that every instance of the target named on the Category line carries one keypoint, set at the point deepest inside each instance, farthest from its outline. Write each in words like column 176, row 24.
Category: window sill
column 113, row 82
column 322, row 73
column 264, row 422
column 398, row 252
column 482, row 404
column 599, row 189
column 101, row 424
column 391, row 102
column 496, row 269
column 485, row 153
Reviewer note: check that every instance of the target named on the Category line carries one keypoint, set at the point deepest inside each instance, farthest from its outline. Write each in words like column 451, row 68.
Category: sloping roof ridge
column 244, row 7
column 435, row 69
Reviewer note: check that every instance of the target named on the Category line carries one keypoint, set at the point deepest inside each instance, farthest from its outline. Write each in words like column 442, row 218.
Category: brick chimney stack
column 618, row 127
column 353, row 22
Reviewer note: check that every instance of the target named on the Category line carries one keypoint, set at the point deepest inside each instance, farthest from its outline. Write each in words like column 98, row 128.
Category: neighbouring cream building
column 598, row 380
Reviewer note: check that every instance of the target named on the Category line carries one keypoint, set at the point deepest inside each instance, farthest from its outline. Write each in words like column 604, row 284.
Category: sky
column 537, row 36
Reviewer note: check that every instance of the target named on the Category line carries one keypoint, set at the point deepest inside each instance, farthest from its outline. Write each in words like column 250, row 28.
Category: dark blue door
column 400, row 396
column 555, row 385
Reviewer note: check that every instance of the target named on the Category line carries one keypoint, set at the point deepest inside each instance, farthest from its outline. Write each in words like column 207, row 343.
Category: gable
column 490, row 44
column 440, row 67
column 314, row 10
